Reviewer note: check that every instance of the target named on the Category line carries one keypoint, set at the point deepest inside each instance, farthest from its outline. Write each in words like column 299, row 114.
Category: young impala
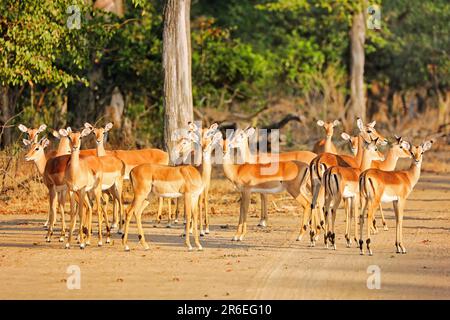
column 326, row 145
column 342, row 183
column 184, row 181
column 378, row 186
column 113, row 174
column 84, row 175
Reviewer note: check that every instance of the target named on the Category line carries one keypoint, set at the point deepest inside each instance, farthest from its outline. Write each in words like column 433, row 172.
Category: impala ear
column 214, row 126
column 345, row 136
column 372, row 124
column 320, row 123
column 26, row 142
column 360, row 124
column 69, row 129
column 192, row 126
column 22, row 128
column 88, row 125
column 427, row 145
column 109, row 126
column 336, row 123
column 250, row 131
column 217, row 137
column 405, row 145
column 194, row 137
column 42, row 128
column 85, row 132
column 45, row 142
column 397, row 138
column 56, row 134
column 63, row 132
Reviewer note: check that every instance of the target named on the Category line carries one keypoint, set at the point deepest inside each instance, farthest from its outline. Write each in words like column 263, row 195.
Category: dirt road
column 269, row 264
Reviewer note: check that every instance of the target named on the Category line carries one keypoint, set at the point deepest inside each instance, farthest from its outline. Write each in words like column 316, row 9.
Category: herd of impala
column 318, row 180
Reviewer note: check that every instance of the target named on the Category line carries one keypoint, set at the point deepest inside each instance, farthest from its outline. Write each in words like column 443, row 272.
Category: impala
column 33, row 134
column 342, row 183
column 113, row 174
column 168, row 182
column 378, row 186
column 84, row 175
column 290, row 176
column 265, row 158
column 326, row 145
column 352, row 140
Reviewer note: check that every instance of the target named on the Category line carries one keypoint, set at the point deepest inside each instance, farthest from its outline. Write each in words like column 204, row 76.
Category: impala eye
column 37, row 148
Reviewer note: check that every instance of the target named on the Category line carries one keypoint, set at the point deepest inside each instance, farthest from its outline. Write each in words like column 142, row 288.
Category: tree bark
column 357, row 88
column 178, row 109
column 8, row 99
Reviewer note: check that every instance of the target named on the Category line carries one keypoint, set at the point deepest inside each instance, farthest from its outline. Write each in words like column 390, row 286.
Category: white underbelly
column 277, row 189
column 348, row 193
column 388, row 198
column 106, row 186
column 169, row 195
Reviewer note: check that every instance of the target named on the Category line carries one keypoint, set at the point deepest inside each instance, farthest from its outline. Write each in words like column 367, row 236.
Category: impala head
column 74, row 137
column 368, row 132
column 214, row 141
column 353, row 140
column 32, row 133
column 328, row 126
column 416, row 152
column 239, row 140
column 401, row 148
column 64, row 145
column 99, row 132
column 208, row 135
column 372, row 150
column 36, row 149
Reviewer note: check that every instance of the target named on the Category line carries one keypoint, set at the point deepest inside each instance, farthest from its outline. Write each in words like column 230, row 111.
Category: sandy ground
column 269, row 264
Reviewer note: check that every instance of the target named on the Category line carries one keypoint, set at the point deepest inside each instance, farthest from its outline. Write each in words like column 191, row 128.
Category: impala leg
column 245, row 201
column 53, row 202
column 61, row 202
column 361, row 225
column 372, row 207
column 348, row 220
column 200, row 211
column 84, row 230
column 205, row 199
column 160, row 206
column 88, row 220
column 169, row 206
column 383, row 220
column 188, row 212
column 263, row 220
column 177, row 210
column 119, row 190
column 73, row 216
column 332, row 235
column 138, row 215
column 195, row 200
column 398, row 209
column 306, row 215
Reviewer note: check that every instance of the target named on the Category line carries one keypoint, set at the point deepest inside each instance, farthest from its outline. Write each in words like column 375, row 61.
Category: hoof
column 299, row 238
column 127, row 248
column 235, row 238
column 88, row 243
column 334, row 247
column 120, row 231
column 100, row 243
column 169, row 226
column 199, row 248
column 47, row 239
column 262, row 223
column 202, row 233
column 82, row 246
column 146, row 247
column 207, row 230
column 361, row 253
column 241, row 238
column 175, row 221
column 370, row 253
column 61, row 239
column 385, row 228
column 189, row 248
column 67, row 246
column 108, row 240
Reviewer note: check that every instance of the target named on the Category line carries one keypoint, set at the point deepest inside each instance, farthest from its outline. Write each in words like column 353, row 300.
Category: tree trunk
column 357, row 88
column 7, row 106
column 178, row 109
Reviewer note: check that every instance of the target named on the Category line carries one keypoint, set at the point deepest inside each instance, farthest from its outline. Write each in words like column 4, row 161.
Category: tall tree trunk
column 8, row 97
column 357, row 88
column 178, row 109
